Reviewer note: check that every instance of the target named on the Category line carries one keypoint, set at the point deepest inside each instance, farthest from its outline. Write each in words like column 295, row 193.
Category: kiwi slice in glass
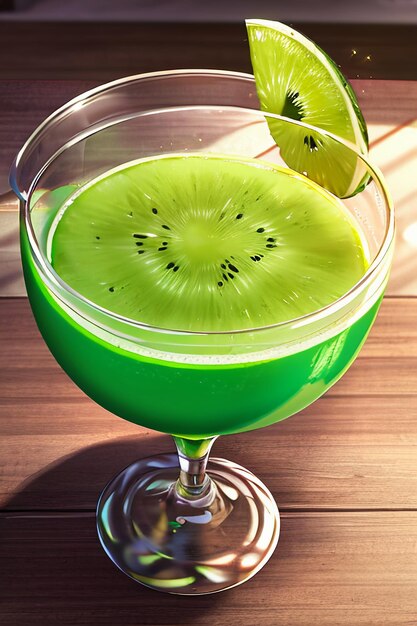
column 206, row 243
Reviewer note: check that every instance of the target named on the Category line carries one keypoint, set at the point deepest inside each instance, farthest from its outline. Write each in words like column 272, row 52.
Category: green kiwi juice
column 208, row 245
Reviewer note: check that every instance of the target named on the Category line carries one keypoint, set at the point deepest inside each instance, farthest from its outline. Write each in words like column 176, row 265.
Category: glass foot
column 185, row 546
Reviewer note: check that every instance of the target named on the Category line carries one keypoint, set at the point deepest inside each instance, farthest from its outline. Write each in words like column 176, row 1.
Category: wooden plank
column 82, row 50
column 394, row 333
column 23, row 106
column 348, row 450
column 340, row 453
column 329, row 569
column 391, row 376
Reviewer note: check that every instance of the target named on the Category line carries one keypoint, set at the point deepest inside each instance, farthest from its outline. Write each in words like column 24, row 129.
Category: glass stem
column 193, row 454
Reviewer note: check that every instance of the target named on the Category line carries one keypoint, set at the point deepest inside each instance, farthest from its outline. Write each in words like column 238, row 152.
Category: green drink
column 255, row 245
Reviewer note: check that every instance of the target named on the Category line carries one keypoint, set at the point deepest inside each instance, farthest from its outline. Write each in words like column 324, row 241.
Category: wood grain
column 329, row 569
column 23, row 106
column 104, row 51
column 353, row 449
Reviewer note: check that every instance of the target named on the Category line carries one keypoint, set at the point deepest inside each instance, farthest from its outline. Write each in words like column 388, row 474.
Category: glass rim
column 46, row 268
column 74, row 102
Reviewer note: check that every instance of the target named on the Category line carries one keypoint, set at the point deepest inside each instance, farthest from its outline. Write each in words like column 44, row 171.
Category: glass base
column 182, row 546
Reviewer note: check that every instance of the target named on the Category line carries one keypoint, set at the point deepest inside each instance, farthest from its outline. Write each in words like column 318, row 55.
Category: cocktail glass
column 183, row 523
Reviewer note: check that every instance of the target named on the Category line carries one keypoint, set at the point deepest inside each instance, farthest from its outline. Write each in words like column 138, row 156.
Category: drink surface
column 206, row 243
column 196, row 399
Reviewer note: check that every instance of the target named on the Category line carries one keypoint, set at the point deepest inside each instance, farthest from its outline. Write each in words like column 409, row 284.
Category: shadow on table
column 49, row 545
column 74, row 482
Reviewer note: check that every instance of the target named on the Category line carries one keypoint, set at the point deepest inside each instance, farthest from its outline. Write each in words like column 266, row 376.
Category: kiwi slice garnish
column 296, row 79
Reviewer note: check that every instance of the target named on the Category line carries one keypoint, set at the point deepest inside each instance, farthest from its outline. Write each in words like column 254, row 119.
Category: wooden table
column 343, row 471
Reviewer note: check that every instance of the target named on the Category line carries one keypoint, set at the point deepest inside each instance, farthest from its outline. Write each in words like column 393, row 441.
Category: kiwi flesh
column 206, row 243
column 296, row 79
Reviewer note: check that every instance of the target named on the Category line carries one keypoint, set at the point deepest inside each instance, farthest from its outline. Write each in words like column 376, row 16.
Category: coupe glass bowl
column 181, row 523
